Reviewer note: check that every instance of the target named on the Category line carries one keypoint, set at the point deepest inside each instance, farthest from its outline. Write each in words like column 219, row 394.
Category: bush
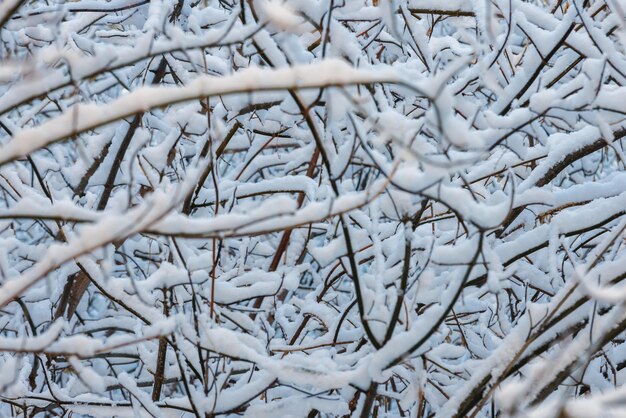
column 312, row 208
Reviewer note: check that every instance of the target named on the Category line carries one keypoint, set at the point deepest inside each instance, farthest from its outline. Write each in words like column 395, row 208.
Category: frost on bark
column 312, row 208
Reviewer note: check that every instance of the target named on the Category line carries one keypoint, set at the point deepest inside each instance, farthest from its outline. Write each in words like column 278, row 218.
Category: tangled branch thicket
column 312, row 208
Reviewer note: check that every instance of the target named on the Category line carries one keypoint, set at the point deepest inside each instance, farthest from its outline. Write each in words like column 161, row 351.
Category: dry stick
column 119, row 157
column 575, row 362
column 134, row 124
column 452, row 13
column 369, row 400
column 329, row 283
column 447, row 309
column 189, row 200
column 282, row 246
column 159, row 374
column 476, row 396
column 575, row 62
column 554, row 171
column 77, row 284
column 481, row 400
column 372, row 390
column 189, row 204
column 70, row 293
column 403, row 284
column 81, row 281
column 319, row 150
column 593, row 347
column 305, row 111
column 208, row 149
column 481, row 280
column 284, row 241
column 600, row 143
column 395, row 317
column 545, row 61
column 344, row 226
column 184, row 379
column 84, row 181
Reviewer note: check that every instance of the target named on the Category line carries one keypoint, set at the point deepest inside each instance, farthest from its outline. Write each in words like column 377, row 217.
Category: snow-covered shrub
column 312, row 208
